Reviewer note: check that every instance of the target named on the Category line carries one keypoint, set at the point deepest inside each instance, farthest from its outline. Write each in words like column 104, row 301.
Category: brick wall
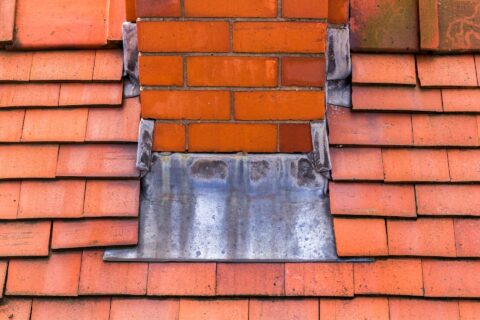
column 229, row 76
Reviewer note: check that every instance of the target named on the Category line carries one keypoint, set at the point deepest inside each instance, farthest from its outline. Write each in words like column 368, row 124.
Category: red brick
column 16, row 308
column 464, row 165
column 182, row 104
column 183, row 36
column 446, row 71
column 55, row 125
column 164, row 8
column 303, row 72
column 295, row 138
column 338, row 11
column 469, row 310
column 306, row 309
column 226, row 137
column 112, row 198
column 29, row 95
column 396, row 98
column 114, row 124
column 445, row 130
column 9, row 197
column 169, row 137
column 384, row 69
column 305, row 9
column 16, row 161
column 213, row 309
column 279, row 105
column 181, row 279
column 72, row 309
column 50, row 24
column 19, row 239
column 461, row 100
column 356, row 163
column 84, row 94
column 467, row 237
column 360, row 237
column 232, row 71
column 226, row 8
column 319, row 279
column 14, row 66
column 55, row 276
column 94, row 233
column 389, row 277
column 51, row 199
column 7, row 24
column 100, row 278
column 305, row 37
column 444, row 278
column 97, row 160
column 251, row 279
column 422, row 237
column 423, row 309
column 374, row 199
column 62, row 65
column 144, row 309
column 116, row 17
column 109, row 63
column 448, row 199
column 11, row 125
column 160, row 70
column 354, row 309
column 347, row 127
column 131, row 10
column 415, row 165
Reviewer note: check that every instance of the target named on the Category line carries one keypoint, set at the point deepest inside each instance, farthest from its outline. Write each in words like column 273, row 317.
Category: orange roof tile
column 384, row 69
column 213, row 309
column 16, row 308
column 29, row 95
column 24, row 239
column 467, row 237
column 360, row 237
column 57, row 309
column 283, row 309
column 358, row 308
column 80, row 94
column 448, row 199
column 447, row 71
column 464, row 164
column 423, row 309
column 357, row 163
column 15, row 66
column 451, row 278
column 16, row 161
column 62, row 65
column 461, row 100
column 116, row 17
column 7, row 8
column 11, row 125
column 126, row 309
column 108, row 63
column 112, row 198
column 9, row 198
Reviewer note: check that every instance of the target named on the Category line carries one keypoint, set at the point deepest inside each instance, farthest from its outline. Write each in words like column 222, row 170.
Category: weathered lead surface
column 198, row 207
column 339, row 65
column 144, row 147
column 131, row 85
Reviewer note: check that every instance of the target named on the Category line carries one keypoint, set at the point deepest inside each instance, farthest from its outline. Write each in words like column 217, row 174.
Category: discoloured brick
column 226, row 8
column 163, row 8
column 303, row 72
column 295, row 138
column 169, row 137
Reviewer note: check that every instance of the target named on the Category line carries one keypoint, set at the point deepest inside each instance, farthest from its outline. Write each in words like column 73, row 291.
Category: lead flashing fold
column 339, row 67
column 145, row 143
column 130, row 60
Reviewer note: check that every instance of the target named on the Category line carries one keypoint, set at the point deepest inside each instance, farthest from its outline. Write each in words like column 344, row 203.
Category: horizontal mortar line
column 233, row 19
column 236, row 54
column 233, row 89
column 233, row 121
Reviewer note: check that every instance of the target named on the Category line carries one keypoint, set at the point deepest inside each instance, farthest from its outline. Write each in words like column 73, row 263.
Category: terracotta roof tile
column 55, row 23
column 72, row 309
column 415, row 165
column 94, row 233
column 51, row 199
column 114, row 124
column 448, row 199
column 17, row 161
column 389, row 277
column 464, row 164
column 306, row 309
column 447, row 71
column 181, row 279
column 445, row 130
column 384, row 69
column 55, row 125
column 29, row 95
column 347, row 128
column 24, row 239
column 9, row 198
column 112, row 198
column 80, row 94
column 15, row 66
column 99, row 278
column 116, row 17
column 251, row 279
column 169, row 137
column 213, row 309
column 422, row 237
column 360, row 237
column 469, row 310
column 15, row 308
column 461, row 100
column 96, row 160
column 477, row 66
column 3, row 274
column 144, row 309
column 396, row 98
column 467, row 237
column 423, row 309
column 11, row 125
column 354, row 309
column 62, row 65
column 372, row 199
column 57, row 275
column 319, row 279
column 444, row 278
column 109, row 63
column 7, row 8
